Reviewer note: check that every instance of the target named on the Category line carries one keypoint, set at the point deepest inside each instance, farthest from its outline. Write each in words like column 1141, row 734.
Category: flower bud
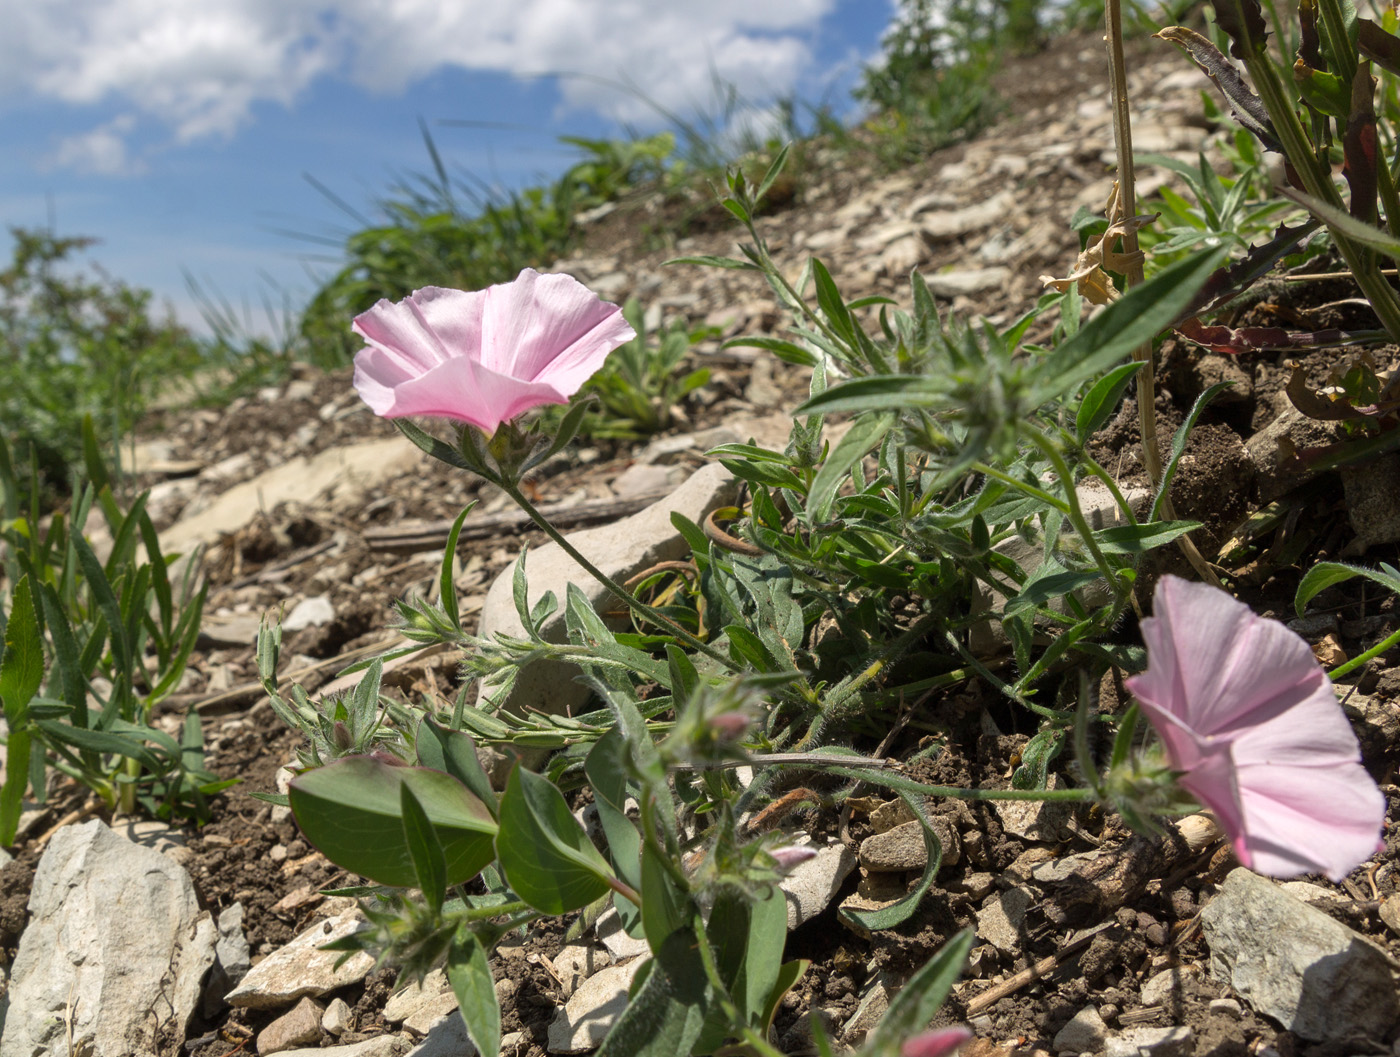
column 729, row 726
column 793, row 855
column 941, row 1042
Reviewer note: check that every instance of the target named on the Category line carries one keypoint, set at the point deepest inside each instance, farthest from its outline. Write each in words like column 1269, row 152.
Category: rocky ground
column 1090, row 940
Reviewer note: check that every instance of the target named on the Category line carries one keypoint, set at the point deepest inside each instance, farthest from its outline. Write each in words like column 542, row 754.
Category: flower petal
column 424, row 330
column 1222, row 668
column 1310, row 819
column 459, row 389
column 550, row 329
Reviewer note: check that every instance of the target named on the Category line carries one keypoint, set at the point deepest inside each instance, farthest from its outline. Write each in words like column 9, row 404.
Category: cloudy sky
column 181, row 132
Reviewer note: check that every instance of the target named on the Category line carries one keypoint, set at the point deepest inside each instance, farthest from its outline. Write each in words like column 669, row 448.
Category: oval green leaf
column 351, row 810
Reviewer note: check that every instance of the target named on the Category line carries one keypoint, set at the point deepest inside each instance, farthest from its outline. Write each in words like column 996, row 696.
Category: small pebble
column 337, row 1018
column 278, row 853
column 1226, row 1007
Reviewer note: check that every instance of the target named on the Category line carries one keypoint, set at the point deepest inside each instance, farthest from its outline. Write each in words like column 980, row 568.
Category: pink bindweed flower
column 940, row 1042
column 1248, row 717
column 487, row 356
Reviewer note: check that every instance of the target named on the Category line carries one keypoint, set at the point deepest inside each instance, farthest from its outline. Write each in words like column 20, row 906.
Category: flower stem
column 1357, row 661
column 624, row 596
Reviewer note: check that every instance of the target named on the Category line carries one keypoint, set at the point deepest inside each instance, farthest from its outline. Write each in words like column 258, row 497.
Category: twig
column 1133, row 275
column 239, row 692
column 1046, row 965
column 426, row 535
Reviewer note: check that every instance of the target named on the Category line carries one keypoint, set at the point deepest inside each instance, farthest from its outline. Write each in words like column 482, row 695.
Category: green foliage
column 72, row 345
column 91, row 647
column 437, row 230
column 640, row 385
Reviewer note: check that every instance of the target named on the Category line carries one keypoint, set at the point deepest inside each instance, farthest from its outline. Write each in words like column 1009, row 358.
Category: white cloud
column 197, row 67
column 102, row 150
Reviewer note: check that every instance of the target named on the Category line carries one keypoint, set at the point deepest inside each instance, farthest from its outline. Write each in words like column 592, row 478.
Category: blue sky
column 178, row 132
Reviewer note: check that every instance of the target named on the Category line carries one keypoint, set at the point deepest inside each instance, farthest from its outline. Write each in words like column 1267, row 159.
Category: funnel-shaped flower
column 487, row 356
column 1250, row 720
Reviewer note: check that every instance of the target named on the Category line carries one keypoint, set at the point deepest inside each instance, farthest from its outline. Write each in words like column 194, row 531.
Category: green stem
column 1030, row 489
column 486, row 913
column 1075, row 513
column 908, row 785
column 707, row 958
column 624, row 596
column 1317, row 181
column 1356, row 662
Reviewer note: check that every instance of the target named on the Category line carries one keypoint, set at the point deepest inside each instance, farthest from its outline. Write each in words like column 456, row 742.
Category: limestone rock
column 338, row 1018
column 1151, row 1042
column 619, row 550
column 300, row 1026
column 301, row 968
column 447, row 1037
column 902, row 848
column 1293, row 963
column 1085, row 1033
column 999, row 920
column 309, row 612
column 589, row 1014
column 810, row 887
column 379, row 1046
column 112, row 925
column 419, row 1006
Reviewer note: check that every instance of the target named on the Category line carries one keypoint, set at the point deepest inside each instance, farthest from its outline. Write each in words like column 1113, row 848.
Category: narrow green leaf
column 867, row 921
column 607, row 767
column 666, row 907
column 1139, row 539
column 920, row 999
column 865, row 434
column 1324, row 574
column 429, row 861
column 16, row 778
column 447, row 589
column 22, row 663
column 469, row 973
column 1102, row 400
column 1134, row 319
column 667, row 1013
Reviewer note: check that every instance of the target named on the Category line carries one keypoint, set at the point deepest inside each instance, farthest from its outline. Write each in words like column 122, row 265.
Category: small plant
column 91, row 647
column 72, row 345
column 962, row 437
column 640, row 384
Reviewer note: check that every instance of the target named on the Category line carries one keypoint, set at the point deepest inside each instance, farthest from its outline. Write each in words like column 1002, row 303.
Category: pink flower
column 1250, row 720
column 487, row 356
column 941, row 1042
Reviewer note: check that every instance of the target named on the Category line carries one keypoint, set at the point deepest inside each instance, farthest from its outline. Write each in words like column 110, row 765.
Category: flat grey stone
column 1296, row 965
column 379, row 1046
column 902, row 848
column 1085, row 1033
column 112, row 924
column 592, row 1010
column 999, row 920
column 337, row 1019
column 618, row 550
column 610, row 933
column 301, row 968
column 447, row 1037
column 295, row 1028
column 967, row 281
column 1162, row 988
column 811, row 886
column 419, row 1006
column 1151, row 1042
column 310, row 612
